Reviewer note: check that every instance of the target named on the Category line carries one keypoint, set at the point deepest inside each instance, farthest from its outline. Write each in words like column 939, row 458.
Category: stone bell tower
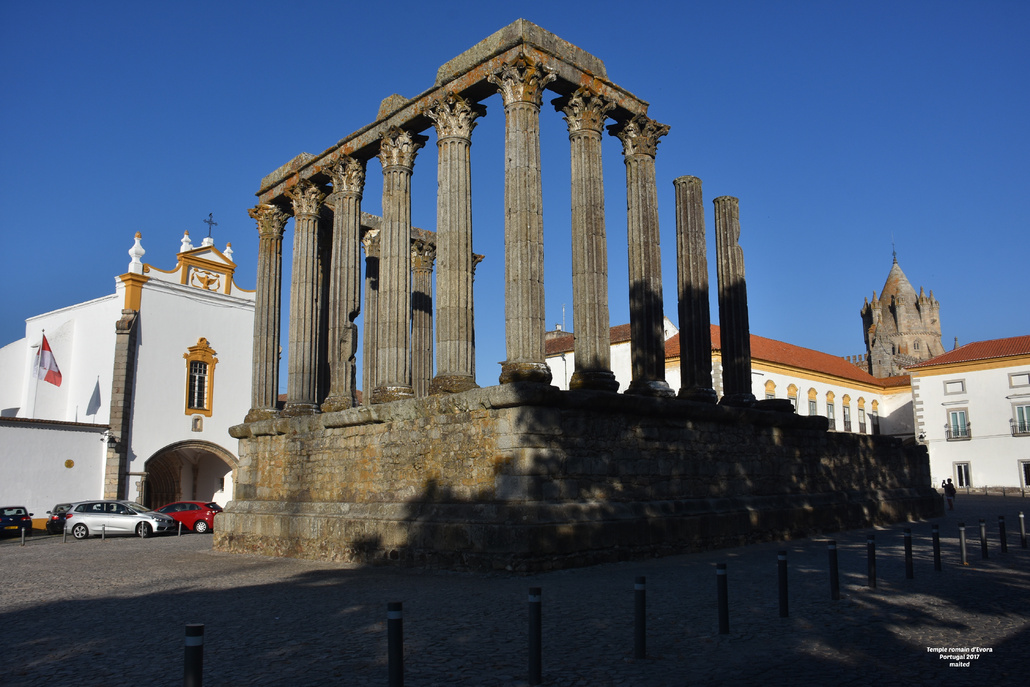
column 901, row 328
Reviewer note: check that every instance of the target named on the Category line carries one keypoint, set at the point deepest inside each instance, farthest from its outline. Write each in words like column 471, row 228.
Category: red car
column 196, row 515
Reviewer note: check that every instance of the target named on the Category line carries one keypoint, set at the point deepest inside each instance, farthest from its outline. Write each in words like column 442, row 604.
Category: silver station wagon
column 91, row 518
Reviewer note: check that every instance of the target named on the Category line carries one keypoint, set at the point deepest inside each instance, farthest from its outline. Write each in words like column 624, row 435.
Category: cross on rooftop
column 210, row 222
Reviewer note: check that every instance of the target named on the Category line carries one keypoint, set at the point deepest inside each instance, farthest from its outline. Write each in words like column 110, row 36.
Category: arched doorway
column 189, row 471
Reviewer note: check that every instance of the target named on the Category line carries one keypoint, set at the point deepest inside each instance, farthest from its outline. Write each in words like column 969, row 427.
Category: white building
column 152, row 377
column 816, row 383
column 972, row 409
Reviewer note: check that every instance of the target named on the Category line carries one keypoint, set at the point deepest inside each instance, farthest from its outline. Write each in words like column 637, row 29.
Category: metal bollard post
column 395, row 643
column 640, row 618
column 781, row 564
column 983, row 539
column 870, row 545
column 64, row 535
column 103, row 532
column 1022, row 530
column 909, row 573
column 535, row 670
column 834, row 580
column 1001, row 534
column 22, row 536
column 724, row 602
column 937, row 548
column 179, row 534
column 193, row 663
column 962, row 542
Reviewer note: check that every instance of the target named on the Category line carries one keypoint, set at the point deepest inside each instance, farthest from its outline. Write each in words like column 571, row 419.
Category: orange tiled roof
column 565, row 343
column 981, row 350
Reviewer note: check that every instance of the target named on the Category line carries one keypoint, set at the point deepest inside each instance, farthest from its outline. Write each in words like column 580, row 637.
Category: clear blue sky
column 840, row 126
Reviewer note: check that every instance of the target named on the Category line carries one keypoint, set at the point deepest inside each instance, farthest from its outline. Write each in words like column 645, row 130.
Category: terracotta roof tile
column 981, row 350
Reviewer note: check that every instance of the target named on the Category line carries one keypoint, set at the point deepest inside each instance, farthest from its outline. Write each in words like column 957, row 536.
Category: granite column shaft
column 735, row 332
column 692, row 272
column 423, row 253
column 264, row 389
column 302, row 379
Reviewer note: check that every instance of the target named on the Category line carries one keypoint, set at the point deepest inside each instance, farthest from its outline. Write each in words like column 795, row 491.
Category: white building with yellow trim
column 816, row 383
column 153, row 376
column 972, row 410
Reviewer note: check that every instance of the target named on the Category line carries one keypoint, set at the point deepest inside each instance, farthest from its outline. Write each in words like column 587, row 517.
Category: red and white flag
column 46, row 366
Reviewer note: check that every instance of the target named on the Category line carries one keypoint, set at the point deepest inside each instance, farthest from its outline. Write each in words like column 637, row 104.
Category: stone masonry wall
column 525, row 477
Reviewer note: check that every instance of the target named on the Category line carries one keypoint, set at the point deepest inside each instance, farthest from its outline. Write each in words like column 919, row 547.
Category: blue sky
column 842, row 127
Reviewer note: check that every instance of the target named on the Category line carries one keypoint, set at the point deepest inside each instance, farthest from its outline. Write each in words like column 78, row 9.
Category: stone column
column 455, row 119
column 735, row 332
column 423, row 253
column 348, row 176
column 521, row 84
column 370, row 338
column 302, row 379
column 585, row 113
column 264, row 389
column 692, row 272
column 123, row 381
column 646, row 316
column 397, row 154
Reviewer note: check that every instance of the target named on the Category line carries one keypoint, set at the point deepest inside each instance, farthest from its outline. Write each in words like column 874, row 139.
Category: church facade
column 152, row 376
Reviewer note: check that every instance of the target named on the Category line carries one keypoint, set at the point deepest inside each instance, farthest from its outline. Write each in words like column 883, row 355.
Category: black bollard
column 909, row 572
column 1022, row 530
column 781, row 564
column 834, row 579
column 724, row 602
column 640, row 618
column 395, row 643
column 937, row 548
column 193, row 660
column 983, row 539
column 535, row 670
column 870, row 545
column 962, row 542
column 1001, row 534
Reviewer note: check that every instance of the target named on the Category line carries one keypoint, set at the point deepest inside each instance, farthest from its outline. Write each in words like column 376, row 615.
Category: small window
column 813, row 407
column 957, row 428
column 1019, row 379
column 198, row 385
column 847, row 418
column 830, row 415
column 770, row 389
column 1024, row 471
column 962, row 475
column 861, row 420
column 200, row 379
column 1021, row 421
column 956, row 386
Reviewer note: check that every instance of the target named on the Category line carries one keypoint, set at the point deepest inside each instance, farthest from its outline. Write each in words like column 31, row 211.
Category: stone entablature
column 525, row 477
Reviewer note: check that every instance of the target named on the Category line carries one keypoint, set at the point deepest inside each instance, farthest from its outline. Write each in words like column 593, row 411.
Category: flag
column 94, row 401
column 46, row 366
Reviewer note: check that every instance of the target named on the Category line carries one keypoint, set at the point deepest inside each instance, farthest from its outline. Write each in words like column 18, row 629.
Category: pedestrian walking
column 949, row 493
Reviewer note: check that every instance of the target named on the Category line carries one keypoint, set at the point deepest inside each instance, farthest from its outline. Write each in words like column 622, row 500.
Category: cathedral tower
column 900, row 327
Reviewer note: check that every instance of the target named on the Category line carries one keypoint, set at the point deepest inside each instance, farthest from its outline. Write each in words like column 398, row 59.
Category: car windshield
column 138, row 508
column 212, row 506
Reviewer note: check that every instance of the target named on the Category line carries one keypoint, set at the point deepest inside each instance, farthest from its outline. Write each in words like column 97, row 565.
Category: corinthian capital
column 306, row 197
column 639, row 135
column 348, row 175
column 271, row 220
column 584, row 110
column 454, row 116
column 399, row 147
column 522, row 81
column 423, row 254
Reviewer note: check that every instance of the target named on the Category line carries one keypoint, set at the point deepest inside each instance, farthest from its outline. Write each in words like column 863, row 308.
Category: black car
column 13, row 519
column 55, row 518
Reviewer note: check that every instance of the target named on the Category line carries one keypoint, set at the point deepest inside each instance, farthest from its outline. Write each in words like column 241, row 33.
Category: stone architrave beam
column 692, row 272
column 735, row 331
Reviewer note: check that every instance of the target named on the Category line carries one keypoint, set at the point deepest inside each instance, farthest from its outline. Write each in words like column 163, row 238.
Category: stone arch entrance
column 188, row 471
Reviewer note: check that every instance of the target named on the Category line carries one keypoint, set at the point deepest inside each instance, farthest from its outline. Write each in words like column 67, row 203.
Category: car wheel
column 143, row 530
column 80, row 531
column 200, row 527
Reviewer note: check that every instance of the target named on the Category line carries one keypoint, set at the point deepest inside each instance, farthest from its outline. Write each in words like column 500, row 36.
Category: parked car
column 90, row 518
column 14, row 518
column 199, row 516
column 55, row 519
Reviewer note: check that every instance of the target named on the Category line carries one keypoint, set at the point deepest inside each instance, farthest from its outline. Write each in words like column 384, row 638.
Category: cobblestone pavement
column 113, row 612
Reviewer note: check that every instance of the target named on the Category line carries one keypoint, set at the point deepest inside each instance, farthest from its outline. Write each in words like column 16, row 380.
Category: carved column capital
column 522, row 81
column 348, row 175
column 398, row 148
column 454, row 116
column 639, row 135
column 307, row 198
column 370, row 240
column 271, row 220
column 584, row 110
column 423, row 254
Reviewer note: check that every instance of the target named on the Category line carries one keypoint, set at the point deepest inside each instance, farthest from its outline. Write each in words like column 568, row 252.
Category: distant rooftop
column 981, row 350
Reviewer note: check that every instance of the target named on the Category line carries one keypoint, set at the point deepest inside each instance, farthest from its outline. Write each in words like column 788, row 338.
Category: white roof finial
column 228, row 251
column 186, row 243
column 136, row 252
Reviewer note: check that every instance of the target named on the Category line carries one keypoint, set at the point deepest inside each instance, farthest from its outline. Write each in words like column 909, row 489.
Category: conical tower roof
column 897, row 284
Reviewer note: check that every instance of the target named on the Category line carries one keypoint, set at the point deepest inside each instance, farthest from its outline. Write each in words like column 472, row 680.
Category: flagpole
column 35, row 374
